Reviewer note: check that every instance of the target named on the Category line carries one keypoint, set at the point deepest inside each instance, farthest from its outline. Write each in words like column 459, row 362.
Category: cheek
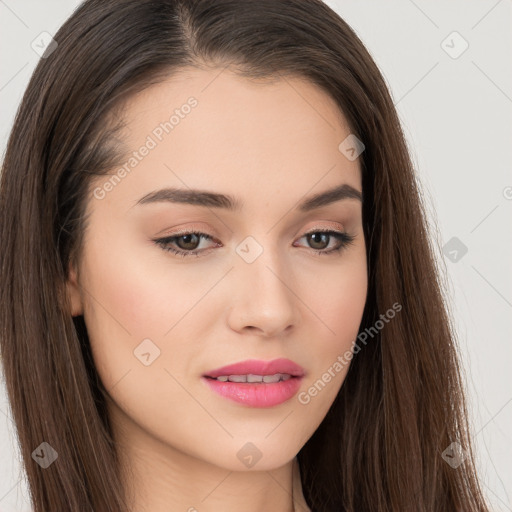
column 138, row 294
column 138, row 290
column 338, row 300
column 339, row 306
column 338, row 303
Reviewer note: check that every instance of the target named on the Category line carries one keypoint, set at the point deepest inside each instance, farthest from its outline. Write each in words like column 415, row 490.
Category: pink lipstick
column 256, row 383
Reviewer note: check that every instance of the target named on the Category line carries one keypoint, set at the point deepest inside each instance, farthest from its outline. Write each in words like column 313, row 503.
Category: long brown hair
column 380, row 447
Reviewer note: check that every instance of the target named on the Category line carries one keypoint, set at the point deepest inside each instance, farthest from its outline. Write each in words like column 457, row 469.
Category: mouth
column 256, row 383
column 253, row 379
column 255, row 368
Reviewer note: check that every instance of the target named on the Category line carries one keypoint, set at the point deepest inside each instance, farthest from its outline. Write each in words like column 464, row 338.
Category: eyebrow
column 215, row 200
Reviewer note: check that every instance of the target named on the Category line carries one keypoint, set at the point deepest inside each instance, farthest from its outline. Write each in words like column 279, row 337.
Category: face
column 173, row 287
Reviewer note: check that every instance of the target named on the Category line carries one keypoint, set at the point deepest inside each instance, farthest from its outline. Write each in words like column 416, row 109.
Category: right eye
column 187, row 243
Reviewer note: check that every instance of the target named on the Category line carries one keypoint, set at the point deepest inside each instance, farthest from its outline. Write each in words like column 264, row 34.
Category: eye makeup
column 194, row 237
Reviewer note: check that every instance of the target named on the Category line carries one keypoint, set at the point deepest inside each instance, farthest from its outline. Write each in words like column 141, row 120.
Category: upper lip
column 258, row 367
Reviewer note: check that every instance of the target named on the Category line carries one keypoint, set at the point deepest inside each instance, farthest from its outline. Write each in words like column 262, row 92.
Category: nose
column 263, row 301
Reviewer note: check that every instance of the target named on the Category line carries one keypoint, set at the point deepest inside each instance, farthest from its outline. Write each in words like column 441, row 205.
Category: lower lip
column 256, row 395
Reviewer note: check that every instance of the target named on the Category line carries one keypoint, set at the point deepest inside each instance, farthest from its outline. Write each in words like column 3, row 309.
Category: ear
column 73, row 292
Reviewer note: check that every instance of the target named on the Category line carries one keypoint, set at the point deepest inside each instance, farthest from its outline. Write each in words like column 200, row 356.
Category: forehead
column 213, row 129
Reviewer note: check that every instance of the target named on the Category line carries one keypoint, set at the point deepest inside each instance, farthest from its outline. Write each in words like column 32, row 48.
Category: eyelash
column 164, row 243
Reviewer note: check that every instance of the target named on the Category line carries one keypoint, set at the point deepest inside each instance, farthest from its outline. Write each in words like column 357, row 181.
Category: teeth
column 251, row 378
column 238, row 378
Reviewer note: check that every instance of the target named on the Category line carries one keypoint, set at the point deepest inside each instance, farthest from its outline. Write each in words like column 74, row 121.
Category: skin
column 270, row 145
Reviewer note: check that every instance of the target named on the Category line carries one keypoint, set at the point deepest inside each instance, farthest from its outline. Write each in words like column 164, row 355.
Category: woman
column 218, row 288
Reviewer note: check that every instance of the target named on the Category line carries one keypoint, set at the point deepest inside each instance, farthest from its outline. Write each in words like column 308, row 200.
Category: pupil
column 187, row 238
column 313, row 238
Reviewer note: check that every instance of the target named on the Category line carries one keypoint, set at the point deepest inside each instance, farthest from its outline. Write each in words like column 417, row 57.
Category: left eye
column 188, row 243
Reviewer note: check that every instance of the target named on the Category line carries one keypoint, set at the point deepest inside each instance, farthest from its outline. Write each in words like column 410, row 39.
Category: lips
column 256, row 367
column 256, row 383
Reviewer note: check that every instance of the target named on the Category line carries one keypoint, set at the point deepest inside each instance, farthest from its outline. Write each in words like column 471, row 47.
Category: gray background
column 456, row 113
